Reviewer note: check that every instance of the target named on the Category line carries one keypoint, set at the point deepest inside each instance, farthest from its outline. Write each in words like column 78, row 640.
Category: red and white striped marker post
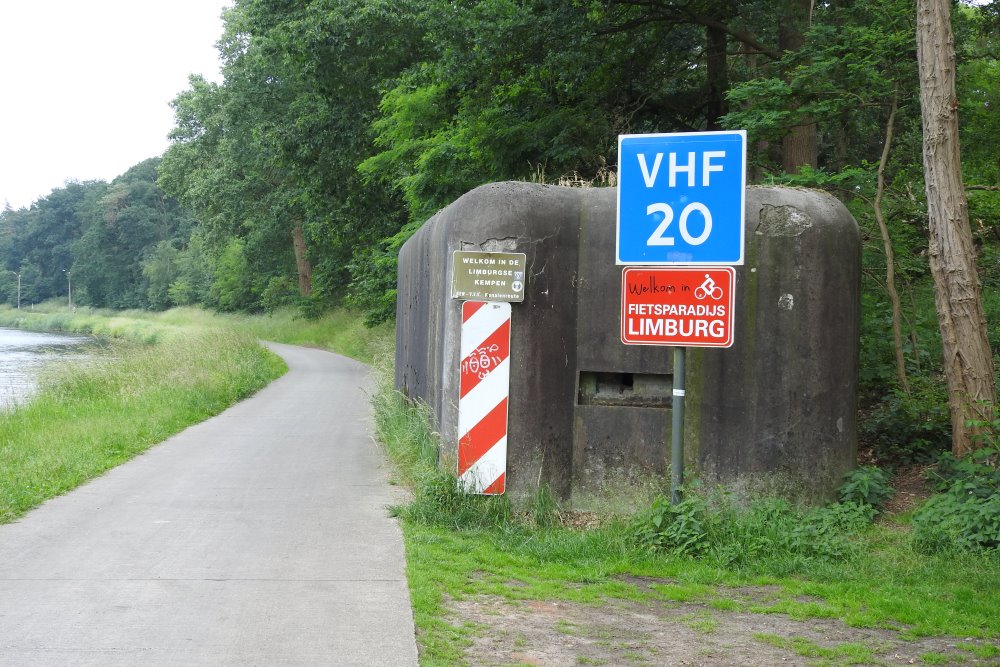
column 484, row 387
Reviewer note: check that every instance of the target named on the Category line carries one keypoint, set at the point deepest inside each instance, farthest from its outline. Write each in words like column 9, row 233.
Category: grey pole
column 677, row 428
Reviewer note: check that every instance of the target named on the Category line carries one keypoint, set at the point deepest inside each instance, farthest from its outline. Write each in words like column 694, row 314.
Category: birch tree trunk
column 968, row 362
column 890, row 255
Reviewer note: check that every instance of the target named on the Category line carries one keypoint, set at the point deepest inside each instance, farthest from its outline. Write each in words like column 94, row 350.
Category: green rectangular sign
column 488, row 276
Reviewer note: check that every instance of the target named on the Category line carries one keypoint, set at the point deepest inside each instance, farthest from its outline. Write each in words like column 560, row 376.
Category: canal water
column 22, row 355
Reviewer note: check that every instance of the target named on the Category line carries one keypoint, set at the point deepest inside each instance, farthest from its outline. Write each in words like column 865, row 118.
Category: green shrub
column 867, row 485
column 279, row 292
column 965, row 513
column 181, row 292
column 949, row 521
column 977, row 474
column 768, row 529
column 826, row 532
column 679, row 528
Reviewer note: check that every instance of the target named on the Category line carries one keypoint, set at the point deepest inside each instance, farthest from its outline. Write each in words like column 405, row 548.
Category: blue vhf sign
column 681, row 198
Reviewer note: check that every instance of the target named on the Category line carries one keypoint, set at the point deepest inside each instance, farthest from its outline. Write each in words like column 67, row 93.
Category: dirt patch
column 617, row 632
column 911, row 489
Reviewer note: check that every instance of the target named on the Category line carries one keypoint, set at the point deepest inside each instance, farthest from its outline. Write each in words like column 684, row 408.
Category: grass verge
column 865, row 576
column 340, row 331
column 887, row 587
column 91, row 416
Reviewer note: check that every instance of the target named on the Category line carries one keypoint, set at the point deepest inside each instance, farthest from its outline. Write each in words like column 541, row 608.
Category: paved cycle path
column 259, row 537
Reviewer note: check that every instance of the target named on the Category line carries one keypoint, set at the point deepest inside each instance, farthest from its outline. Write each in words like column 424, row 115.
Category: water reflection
column 23, row 353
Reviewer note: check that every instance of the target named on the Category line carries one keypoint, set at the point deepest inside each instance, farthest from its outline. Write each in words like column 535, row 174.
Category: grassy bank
column 134, row 326
column 339, row 331
column 153, row 379
column 886, row 586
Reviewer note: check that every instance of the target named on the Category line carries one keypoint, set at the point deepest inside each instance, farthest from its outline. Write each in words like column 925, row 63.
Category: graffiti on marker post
column 482, row 361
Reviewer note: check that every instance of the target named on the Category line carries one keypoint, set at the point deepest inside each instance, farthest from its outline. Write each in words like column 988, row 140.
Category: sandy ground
column 685, row 634
column 563, row 634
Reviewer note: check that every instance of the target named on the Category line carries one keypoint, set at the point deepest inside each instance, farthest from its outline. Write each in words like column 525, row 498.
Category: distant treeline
column 123, row 244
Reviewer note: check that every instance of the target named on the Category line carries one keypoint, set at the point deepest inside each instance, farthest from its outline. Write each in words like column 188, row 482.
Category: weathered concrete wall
column 778, row 409
column 591, row 416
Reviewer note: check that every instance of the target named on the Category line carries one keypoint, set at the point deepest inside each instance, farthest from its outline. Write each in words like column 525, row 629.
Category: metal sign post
column 677, row 428
column 680, row 307
column 681, row 201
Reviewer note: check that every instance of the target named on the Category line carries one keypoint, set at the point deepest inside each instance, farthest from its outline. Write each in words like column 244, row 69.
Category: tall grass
column 91, row 416
column 135, row 325
column 404, row 428
column 341, row 331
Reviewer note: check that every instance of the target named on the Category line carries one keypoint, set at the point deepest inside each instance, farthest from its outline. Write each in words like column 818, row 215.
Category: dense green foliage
column 340, row 126
column 965, row 511
column 105, row 241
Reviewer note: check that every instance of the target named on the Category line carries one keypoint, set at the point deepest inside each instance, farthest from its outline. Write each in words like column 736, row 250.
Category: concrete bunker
column 589, row 416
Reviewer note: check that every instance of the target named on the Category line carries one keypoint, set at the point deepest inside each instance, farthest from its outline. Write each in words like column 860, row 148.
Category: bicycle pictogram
column 708, row 288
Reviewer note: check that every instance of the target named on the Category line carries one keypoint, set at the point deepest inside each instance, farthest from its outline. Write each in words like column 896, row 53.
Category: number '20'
column 658, row 237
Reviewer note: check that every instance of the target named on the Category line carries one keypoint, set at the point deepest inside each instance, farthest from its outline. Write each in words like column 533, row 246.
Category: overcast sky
column 85, row 86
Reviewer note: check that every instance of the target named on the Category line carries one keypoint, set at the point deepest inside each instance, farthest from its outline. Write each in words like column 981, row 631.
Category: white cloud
column 85, row 86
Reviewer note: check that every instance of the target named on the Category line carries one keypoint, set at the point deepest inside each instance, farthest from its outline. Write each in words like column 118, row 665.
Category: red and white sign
column 684, row 307
column 484, row 386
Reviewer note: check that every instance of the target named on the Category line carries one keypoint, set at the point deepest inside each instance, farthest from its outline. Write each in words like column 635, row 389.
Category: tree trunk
column 302, row 263
column 968, row 362
column 890, row 255
column 841, row 142
column 800, row 146
column 718, row 77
